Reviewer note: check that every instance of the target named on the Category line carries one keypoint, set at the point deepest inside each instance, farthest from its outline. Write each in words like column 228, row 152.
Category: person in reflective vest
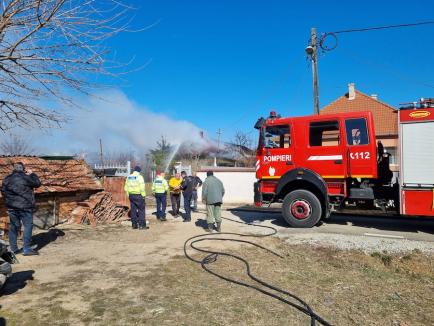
column 159, row 189
column 135, row 189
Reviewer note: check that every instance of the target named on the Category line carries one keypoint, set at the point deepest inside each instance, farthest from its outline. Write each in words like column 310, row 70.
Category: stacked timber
column 98, row 209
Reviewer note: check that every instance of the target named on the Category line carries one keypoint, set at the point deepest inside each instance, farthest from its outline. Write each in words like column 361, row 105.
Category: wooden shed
column 65, row 183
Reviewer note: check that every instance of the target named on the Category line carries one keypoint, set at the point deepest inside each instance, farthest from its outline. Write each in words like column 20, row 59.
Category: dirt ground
column 113, row 275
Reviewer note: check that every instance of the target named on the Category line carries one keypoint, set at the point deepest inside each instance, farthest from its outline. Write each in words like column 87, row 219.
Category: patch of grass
column 406, row 257
column 384, row 257
column 344, row 287
column 57, row 312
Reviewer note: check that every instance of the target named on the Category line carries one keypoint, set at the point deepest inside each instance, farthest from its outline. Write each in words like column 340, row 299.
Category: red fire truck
column 319, row 164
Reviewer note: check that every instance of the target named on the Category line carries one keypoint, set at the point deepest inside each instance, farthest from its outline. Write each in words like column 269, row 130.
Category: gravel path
column 367, row 244
column 368, row 234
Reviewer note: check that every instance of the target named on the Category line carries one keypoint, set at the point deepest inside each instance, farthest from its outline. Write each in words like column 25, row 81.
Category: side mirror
column 259, row 123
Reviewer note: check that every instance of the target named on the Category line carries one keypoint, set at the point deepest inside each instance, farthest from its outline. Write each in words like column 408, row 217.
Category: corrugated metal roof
column 55, row 175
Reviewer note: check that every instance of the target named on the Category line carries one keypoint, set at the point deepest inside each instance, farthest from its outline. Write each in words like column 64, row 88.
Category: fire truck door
column 325, row 151
column 361, row 151
column 278, row 152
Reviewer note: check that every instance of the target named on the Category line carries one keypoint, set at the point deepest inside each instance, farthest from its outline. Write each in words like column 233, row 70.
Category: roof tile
column 55, row 175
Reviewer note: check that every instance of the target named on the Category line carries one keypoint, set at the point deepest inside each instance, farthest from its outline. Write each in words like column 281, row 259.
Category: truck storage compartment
column 418, row 202
column 417, row 154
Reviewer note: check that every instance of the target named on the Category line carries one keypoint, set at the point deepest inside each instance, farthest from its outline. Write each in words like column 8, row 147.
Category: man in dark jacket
column 17, row 190
column 187, row 187
column 212, row 195
column 197, row 183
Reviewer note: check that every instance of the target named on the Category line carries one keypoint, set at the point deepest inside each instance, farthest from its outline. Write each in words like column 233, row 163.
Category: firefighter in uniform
column 135, row 188
column 159, row 189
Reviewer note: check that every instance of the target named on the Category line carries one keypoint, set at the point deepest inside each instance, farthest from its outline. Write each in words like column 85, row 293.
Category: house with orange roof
column 385, row 117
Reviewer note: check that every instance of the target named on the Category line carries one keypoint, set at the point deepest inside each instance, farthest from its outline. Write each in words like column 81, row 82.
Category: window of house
column 357, row 132
column 393, row 159
column 277, row 136
column 324, row 133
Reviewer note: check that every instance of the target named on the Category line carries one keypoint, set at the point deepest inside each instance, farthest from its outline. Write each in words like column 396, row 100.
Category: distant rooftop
column 385, row 118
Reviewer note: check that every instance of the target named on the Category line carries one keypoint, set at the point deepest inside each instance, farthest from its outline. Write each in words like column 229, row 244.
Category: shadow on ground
column 252, row 216
column 16, row 282
column 201, row 223
column 392, row 223
column 43, row 239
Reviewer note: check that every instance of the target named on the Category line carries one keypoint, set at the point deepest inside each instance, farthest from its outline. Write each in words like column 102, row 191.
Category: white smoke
column 121, row 124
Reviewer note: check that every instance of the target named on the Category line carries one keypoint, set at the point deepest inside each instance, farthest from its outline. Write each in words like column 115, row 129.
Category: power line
column 332, row 35
column 382, row 27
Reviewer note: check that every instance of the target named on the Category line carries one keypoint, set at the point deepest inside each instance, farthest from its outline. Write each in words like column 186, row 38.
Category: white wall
column 238, row 186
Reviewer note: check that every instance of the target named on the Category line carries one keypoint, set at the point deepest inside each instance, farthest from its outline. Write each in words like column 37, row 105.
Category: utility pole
column 100, row 152
column 312, row 51
column 219, row 132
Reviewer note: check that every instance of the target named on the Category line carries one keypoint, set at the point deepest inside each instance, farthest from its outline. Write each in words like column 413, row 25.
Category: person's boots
column 210, row 227
column 219, row 227
column 134, row 225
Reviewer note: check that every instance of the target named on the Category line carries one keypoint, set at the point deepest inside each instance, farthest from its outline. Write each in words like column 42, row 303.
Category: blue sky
column 222, row 64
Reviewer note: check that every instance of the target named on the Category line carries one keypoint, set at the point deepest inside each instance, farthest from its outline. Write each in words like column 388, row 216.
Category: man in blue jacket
column 17, row 190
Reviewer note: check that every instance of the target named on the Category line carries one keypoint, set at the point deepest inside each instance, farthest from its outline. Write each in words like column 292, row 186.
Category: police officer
column 159, row 189
column 135, row 188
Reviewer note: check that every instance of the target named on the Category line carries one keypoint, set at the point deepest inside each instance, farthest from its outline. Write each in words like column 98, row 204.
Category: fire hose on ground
column 212, row 256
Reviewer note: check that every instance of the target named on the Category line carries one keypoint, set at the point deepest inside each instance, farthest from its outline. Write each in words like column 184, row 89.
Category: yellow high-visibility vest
column 159, row 186
column 135, row 184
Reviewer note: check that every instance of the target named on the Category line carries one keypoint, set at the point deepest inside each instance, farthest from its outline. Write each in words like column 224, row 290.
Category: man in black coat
column 187, row 187
column 17, row 190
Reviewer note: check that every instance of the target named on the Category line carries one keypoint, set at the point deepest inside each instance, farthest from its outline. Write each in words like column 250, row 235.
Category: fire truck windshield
column 276, row 136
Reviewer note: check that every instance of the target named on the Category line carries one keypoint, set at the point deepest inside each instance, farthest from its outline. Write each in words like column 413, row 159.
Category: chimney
column 375, row 97
column 351, row 91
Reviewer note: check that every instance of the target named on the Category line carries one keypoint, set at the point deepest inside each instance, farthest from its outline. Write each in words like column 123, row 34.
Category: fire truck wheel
column 301, row 209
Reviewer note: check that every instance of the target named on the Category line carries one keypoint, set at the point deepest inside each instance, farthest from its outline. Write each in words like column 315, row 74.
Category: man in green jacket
column 135, row 189
column 212, row 195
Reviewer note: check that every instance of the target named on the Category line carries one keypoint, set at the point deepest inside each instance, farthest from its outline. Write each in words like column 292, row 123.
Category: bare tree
column 49, row 50
column 243, row 142
column 241, row 147
column 16, row 145
column 120, row 157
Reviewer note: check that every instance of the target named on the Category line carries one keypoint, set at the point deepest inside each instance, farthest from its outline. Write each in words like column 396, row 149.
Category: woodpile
column 98, row 209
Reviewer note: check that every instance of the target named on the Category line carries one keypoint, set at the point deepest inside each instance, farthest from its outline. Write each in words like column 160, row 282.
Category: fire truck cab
column 317, row 164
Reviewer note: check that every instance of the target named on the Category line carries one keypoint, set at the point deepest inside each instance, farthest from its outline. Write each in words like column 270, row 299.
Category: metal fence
column 121, row 170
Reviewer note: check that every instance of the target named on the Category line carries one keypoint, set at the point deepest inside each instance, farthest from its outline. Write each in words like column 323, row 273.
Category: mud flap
column 257, row 197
